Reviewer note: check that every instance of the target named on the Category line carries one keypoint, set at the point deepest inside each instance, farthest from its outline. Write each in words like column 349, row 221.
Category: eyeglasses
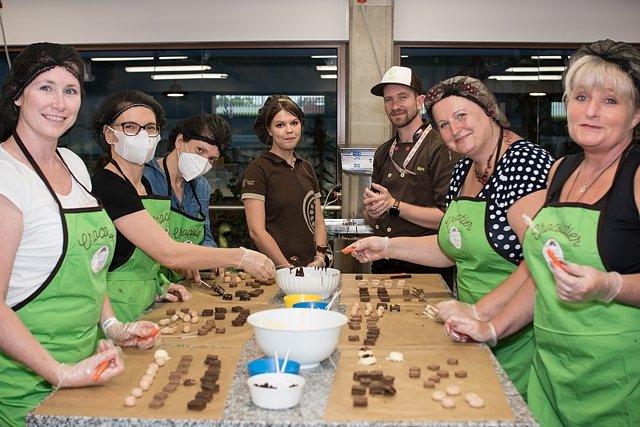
column 132, row 128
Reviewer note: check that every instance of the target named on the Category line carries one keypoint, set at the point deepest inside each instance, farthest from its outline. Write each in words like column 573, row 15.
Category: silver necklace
column 595, row 177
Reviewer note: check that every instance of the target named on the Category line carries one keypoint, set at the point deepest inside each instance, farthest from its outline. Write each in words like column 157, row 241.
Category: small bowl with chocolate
column 267, row 364
column 308, row 280
column 276, row 390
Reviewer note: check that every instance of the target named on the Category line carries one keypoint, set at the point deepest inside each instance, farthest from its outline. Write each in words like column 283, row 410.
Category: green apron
column 134, row 285
column 585, row 370
column 64, row 313
column 463, row 237
column 183, row 228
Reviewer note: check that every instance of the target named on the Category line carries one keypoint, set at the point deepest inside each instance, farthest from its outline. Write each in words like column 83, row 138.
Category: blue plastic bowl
column 264, row 365
column 311, row 304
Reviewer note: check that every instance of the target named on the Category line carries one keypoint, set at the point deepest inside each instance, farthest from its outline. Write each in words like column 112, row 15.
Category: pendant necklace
column 583, row 189
column 484, row 177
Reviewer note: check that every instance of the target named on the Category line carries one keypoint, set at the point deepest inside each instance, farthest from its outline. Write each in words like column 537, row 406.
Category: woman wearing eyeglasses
column 127, row 126
column 195, row 145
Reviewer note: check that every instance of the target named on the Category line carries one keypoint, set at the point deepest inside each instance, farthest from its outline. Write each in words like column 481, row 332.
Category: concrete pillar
column 370, row 55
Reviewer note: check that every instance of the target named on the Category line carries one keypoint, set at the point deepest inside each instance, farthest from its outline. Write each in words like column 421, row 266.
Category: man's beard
column 405, row 122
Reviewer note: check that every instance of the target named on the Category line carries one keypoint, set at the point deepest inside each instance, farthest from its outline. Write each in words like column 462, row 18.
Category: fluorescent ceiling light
column 328, row 76
column 326, row 67
column 404, row 56
column 193, row 76
column 537, row 94
column 163, row 68
column 555, row 69
column 323, row 56
column 527, row 78
column 164, row 58
column 122, row 58
column 546, row 57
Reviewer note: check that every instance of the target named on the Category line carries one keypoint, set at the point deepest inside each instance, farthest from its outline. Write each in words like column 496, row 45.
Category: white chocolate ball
column 130, row 401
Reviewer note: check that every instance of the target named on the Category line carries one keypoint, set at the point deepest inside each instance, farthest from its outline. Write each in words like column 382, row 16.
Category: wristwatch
column 321, row 248
column 395, row 209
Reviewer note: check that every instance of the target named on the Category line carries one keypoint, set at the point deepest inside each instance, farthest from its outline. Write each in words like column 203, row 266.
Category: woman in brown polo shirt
column 280, row 191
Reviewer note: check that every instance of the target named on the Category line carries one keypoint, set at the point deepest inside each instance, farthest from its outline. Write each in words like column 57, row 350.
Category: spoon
column 286, row 359
column 328, row 307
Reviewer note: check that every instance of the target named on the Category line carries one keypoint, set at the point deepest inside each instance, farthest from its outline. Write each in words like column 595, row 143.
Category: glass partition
column 526, row 82
column 232, row 82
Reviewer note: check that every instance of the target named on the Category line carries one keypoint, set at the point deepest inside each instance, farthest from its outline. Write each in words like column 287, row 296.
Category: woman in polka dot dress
column 498, row 170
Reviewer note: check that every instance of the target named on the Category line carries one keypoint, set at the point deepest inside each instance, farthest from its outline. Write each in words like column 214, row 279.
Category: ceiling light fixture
column 537, row 94
column 328, row 76
column 166, row 58
column 175, row 91
column 546, row 57
column 121, row 58
column 326, row 67
column 167, row 68
column 193, row 76
column 323, row 56
column 527, row 78
column 548, row 69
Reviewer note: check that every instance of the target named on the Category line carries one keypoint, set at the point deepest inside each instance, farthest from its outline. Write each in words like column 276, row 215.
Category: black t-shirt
column 119, row 199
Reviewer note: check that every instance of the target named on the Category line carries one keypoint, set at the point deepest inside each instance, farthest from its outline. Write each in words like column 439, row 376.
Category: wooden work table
column 326, row 399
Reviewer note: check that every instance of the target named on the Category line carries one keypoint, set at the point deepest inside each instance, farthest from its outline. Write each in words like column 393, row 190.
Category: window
column 526, row 82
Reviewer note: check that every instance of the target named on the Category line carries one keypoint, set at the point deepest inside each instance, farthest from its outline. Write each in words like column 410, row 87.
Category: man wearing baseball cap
column 411, row 172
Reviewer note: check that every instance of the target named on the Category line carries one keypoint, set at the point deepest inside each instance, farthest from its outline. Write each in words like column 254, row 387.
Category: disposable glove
column 257, row 264
column 450, row 308
column 141, row 334
column 464, row 328
column 577, row 283
column 176, row 293
column 97, row 369
column 369, row 249
column 318, row 262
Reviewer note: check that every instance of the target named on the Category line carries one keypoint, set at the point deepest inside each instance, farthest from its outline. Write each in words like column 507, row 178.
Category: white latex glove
column 464, row 328
column 257, row 264
column 175, row 293
column 141, row 334
column 576, row 283
column 368, row 249
column 91, row 370
column 452, row 307
column 318, row 262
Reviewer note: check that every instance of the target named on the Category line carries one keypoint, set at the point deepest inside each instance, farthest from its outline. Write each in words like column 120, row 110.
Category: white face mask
column 192, row 165
column 138, row 149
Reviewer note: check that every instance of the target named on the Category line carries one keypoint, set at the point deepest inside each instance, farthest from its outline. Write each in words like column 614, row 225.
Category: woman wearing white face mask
column 127, row 126
column 195, row 144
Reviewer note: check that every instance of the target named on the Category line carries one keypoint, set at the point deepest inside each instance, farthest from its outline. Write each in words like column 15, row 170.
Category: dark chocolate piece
column 360, row 401
column 197, row 404
column 358, row 390
column 460, row 374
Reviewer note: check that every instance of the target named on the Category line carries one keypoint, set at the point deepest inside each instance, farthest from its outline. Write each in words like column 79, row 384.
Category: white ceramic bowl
column 275, row 391
column 312, row 335
column 319, row 281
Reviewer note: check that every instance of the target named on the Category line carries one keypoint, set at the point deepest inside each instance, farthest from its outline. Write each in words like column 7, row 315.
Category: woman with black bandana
column 488, row 185
column 57, row 242
column 195, row 145
column 583, row 251
column 127, row 127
